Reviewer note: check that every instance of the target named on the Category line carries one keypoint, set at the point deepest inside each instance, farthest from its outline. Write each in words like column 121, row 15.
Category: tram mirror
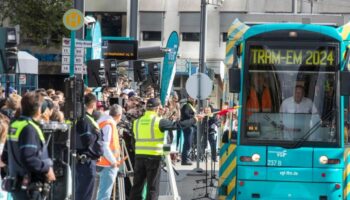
column 234, row 80
column 236, row 54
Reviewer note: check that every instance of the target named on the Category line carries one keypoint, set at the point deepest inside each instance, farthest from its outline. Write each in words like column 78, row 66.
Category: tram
column 292, row 81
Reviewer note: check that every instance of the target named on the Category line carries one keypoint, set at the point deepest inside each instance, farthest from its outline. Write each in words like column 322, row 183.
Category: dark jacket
column 167, row 125
column 29, row 153
column 187, row 111
column 209, row 122
column 88, row 138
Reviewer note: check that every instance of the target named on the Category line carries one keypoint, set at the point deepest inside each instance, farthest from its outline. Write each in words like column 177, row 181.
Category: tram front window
column 289, row 101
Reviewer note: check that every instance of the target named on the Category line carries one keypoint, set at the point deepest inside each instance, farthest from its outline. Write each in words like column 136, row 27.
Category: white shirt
column 305, row 106
column 107, row 136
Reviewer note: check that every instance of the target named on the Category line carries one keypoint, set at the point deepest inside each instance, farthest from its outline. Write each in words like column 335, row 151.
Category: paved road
column 187, row 184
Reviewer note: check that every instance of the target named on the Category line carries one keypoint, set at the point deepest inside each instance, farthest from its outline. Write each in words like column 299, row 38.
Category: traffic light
column 153, row 71
column 8, row 50
column 140, row 74
column 74, row 95
column 96, row 73
column 111, row 67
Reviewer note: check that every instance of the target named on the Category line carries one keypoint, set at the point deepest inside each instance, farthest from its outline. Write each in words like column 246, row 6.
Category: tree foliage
column 40, row 20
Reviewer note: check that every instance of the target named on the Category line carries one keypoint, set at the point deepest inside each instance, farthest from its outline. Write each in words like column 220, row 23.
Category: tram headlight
column 255, row 157
column 324, row 160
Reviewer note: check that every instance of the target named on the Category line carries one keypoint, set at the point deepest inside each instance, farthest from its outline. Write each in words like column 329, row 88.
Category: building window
column 152, row 35
column 191, row 37
column 111, row 23
column 224, row 37
column 177, row 81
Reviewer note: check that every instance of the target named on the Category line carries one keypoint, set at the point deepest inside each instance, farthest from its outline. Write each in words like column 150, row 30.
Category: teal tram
column 292, row 138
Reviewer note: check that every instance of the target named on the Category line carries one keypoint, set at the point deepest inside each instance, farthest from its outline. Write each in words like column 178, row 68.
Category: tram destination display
column 322, row 56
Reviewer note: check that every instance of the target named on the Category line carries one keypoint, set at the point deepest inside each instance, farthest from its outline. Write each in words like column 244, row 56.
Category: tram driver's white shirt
column 305, row 106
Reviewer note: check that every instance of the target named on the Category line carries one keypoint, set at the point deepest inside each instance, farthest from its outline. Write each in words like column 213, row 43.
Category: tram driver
column 298, row 103
column 296, row 126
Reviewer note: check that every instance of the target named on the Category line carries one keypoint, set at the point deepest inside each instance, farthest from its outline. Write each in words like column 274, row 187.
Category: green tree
column 40, row 20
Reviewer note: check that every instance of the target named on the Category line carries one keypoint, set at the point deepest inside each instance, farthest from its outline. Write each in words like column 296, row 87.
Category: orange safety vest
column 253, row 104
column 113, row 145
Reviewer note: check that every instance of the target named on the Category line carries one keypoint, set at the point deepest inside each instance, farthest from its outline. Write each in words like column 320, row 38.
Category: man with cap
column 89, row 145
column 149, row 135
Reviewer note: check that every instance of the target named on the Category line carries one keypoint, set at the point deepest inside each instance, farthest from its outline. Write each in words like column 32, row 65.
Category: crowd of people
column 114, row 112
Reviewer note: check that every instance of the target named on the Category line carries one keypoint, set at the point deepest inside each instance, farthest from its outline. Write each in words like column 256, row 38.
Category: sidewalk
column 186, row 184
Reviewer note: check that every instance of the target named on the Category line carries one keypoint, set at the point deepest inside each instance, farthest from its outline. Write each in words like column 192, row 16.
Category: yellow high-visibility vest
column 149, row 138
column 17, row 127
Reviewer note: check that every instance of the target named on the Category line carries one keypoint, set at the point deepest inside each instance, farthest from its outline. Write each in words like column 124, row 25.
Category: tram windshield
column 290, row 94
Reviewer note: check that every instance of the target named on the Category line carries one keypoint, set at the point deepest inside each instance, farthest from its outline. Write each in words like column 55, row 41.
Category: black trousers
column 188, row 134
column 146, row 168
column 85, row 179
column 211, row 137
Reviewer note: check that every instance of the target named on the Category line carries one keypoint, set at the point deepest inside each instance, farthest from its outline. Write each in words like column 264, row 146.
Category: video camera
column 125, row 124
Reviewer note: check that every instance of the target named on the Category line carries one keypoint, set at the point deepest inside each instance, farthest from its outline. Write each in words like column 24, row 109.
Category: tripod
column 206, row 194
column 212, row 170
column 125, row 170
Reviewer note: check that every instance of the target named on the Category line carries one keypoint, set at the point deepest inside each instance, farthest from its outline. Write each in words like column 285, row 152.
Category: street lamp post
column 80, row 5
column 202, row 61
column 203, row 28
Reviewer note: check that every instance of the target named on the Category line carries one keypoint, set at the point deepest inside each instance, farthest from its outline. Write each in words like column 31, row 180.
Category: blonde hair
column 57, row 115
column 14, row 101
column 4, row 125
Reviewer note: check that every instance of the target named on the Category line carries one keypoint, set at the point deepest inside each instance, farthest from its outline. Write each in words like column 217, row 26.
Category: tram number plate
column 274, row 163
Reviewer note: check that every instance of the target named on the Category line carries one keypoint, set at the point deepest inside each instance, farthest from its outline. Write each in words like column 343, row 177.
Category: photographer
column 30, row 168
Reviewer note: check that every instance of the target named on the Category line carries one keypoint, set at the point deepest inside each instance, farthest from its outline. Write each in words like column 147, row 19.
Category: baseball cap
column 131, row 94
column 153, row 102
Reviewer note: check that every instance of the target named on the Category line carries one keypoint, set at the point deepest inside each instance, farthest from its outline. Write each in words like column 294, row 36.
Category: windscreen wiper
column 311, row 131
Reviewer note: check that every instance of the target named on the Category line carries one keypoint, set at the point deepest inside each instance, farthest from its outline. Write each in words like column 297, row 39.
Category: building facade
column 158, row 18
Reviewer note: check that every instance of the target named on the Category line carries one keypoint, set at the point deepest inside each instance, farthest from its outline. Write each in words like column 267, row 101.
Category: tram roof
column 321, row 29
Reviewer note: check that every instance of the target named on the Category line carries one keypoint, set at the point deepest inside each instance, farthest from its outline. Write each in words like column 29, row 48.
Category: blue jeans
column 107, row 180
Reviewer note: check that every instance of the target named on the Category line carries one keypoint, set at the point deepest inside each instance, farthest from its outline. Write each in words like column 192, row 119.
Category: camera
column 126, row 125
column 89, row 20
column 38, row 187
column 9, row 184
